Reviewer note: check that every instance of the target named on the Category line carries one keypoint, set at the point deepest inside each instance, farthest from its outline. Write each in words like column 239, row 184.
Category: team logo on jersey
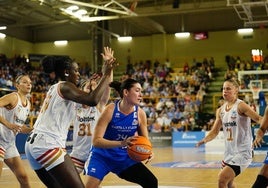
column 93, row 170
column 135, row 122
column 135, row 115
column 19, row 108
column 85, row 118
column 230, row 124
column 93, row 110
column 117, row 115
column 79, row 110
column 18, row 120
column 234, row 114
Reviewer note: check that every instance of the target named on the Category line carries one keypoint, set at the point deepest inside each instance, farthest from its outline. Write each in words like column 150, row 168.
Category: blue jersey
column 120, row 127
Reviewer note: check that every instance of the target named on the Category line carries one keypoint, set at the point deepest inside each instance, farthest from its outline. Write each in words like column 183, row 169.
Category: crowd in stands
column 173, row 98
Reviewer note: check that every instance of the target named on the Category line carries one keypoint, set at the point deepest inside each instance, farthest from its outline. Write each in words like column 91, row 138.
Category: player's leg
column 262, row 178
column 96, row 168
column 79, row 164
column 226, row 177
column 92, row 182
column 140, row 174
column 47, row 179
column 16, row 166
column 66, row 174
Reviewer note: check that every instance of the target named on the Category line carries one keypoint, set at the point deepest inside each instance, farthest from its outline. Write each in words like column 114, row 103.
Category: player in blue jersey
column 115, row 129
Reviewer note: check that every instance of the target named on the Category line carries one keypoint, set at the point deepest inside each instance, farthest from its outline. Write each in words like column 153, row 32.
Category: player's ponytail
column 126, row 84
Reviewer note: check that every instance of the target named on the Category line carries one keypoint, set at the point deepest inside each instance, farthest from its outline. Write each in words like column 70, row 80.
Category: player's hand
column 14, row 127
column 199, row 143
column 108, row 55
column 257, row 142
column 127, row 142
column 94, row 76
column 25, row 129
column 109, row 60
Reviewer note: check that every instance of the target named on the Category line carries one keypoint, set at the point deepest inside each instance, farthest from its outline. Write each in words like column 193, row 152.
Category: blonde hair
column 234, row 81
column 18, row 78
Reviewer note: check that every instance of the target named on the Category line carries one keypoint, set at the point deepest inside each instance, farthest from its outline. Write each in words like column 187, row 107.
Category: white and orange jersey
column 238, row 136
column 17, row 115
column 83, row 127
column 55, row 115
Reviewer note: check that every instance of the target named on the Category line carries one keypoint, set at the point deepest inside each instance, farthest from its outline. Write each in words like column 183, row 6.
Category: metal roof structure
column 49, row 20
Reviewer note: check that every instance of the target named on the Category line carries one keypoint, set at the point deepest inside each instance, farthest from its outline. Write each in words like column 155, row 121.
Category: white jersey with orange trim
column 55, row 116
column 84, row 124
column 238, row 136
column 17, row 115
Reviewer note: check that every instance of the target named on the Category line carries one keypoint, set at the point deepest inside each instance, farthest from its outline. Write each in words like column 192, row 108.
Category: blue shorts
column 99, row 166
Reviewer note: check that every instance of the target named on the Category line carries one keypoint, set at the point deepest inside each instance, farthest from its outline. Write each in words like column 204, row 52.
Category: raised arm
column 71, row 92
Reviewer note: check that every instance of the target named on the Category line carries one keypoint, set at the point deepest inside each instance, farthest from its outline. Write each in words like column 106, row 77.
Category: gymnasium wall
column 178, row 51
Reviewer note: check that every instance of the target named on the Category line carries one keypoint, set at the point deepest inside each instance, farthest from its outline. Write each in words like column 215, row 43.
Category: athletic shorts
column 8, row 151
column 236, row 169
column 43, row 151
column 99, row 166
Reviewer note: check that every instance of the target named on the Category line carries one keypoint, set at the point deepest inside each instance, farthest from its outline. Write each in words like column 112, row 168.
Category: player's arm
column 214, row 130
column 262, row 129
column 105, row 96
column 71, row 92
column 143, row 129
column 246, row 110
column 99, row 131
column 9, row 101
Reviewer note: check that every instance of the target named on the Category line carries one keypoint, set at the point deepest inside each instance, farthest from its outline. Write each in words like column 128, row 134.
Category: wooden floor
column 167, row 176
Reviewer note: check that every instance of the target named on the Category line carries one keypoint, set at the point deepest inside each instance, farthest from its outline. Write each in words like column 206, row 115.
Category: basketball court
column 174, row 167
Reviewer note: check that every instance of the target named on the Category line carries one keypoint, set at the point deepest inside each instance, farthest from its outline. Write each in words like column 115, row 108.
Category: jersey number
column 230, row 134
column 84, row 130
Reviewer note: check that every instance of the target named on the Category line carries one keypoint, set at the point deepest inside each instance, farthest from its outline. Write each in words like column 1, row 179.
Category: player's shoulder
column 110, row 106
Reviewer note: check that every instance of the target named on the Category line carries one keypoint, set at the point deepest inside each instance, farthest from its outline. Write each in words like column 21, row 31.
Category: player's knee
column 261, row 182
column 222, row 181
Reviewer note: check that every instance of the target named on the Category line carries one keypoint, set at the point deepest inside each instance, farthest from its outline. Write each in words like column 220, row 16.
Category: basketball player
column 14, row 110
column 234, row 117
column 45, row 147
column 114, row 131
column 84, row 123
column 262, row 178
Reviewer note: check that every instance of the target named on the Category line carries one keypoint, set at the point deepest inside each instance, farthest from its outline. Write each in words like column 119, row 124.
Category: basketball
column 141, row 149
